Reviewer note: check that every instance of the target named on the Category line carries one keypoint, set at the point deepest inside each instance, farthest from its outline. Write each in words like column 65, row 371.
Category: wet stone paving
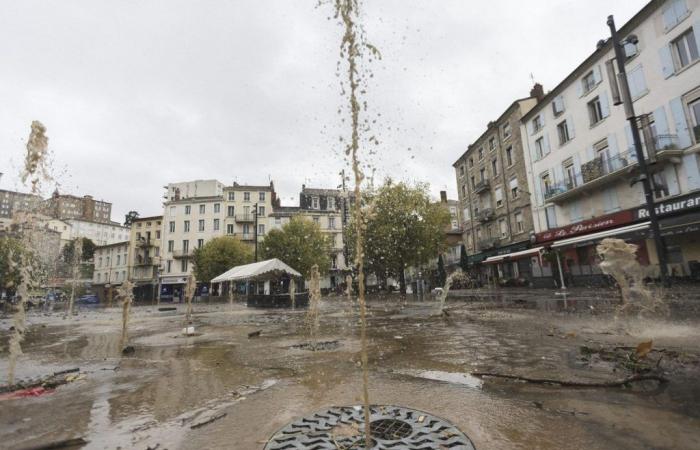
column 510, row 370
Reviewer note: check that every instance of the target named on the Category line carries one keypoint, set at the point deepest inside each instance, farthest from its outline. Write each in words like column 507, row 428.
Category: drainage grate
column 392, row 427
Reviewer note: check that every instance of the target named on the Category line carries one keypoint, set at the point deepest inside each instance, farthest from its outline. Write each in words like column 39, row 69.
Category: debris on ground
column 66, row 443
column 128, row 350
column 207, row 420
column 35, row 388
column 254, row 334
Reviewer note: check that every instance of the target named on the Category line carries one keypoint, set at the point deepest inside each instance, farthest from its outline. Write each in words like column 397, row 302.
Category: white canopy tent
column 263, row 269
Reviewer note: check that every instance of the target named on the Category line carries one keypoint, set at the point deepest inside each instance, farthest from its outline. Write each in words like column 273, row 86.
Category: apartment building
column 494, row 199
column 325, row 208
column 65, row 206
column 101, row 233
column 111, row 269
column 248, row 205
column 581, row 162
column 144, row 256
column 193, row 213
column 453, row 234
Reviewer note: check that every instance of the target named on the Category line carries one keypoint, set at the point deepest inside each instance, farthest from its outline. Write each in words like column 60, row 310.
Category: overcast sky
column 136, row 94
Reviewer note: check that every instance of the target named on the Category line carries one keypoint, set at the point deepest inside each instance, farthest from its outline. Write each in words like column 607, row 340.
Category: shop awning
column 515, row 255
column 593, row 237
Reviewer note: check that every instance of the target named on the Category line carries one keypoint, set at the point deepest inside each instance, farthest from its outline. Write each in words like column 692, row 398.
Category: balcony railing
column 245, row 236
column 245, row 217
column 485, row 215
column 482, row 186
column 666, row 142
column 144, row 242
column 182, row 254
column 488, row 243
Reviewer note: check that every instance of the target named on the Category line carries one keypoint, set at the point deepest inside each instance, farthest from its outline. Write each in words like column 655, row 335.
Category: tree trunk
column 402, row 280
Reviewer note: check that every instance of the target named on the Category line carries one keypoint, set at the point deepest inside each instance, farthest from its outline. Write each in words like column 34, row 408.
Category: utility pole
column 343, row 220
column 255, row 231
column 644, row 177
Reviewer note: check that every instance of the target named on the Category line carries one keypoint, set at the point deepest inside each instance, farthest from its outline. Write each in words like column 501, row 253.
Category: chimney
column 443, row 196
column 537, row 91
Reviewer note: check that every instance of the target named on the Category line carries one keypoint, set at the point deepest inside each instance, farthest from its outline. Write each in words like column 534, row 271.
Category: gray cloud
column 136, row 94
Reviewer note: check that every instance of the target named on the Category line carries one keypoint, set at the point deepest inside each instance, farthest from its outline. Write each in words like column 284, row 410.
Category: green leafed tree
column 300, row 244
column 12, row 257
column 219, row 255
column 402, row 228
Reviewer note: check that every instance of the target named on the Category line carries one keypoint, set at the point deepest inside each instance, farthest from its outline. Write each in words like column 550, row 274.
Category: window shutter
column 558, row 174
column 669, row 16
column 692, row 171
column 597, row 76
column 679, row 121
column 579, row 88
column 530, row 128
column 660, row 121
column 499, row 194
column 696, row 32
column 546, row 143
column 570, row 126
column 577, row 169
column 604, row 105
column 671, row 180
column 612, row 145
column 666, row 61
column 590, row 153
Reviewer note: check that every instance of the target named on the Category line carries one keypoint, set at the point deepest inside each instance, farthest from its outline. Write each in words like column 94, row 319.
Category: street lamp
column 255, row 231
column 626, row 99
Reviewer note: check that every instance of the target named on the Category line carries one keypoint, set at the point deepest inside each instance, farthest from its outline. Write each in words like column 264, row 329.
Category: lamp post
column 255, row 231
column 626, row 99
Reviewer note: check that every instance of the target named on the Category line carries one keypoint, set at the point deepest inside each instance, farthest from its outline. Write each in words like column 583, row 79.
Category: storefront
column 516, row 268
column 489, row 273
column 172, row 288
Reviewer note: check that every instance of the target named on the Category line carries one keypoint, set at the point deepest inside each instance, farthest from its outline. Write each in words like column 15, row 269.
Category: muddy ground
column 163, row 395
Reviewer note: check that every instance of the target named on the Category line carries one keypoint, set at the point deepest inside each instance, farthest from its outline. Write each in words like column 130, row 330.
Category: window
column 471, row 162
column 507, row 132
column 546, row 183
column 551, row 216
column 498, row 193
column 464, row 190
column 331, row 201
column 200, row 243
column 537, row 123
column 201, row 225
column 157, row 234
column 246, row 228
column 588, row 82
column 261, row 210
column 481, row 153
column 202, row 209
column 183, row 265
column 570, row 174
column 172, row 211
column 216, row 224
column 278, row 221
column 171, row 246
column 509, row 156
column 314, row 202
column 217, row 207
column 558, row 105
column 503, row 228
column 331, row 223
column 539, row 148
column 185, row 246
column 188, row 209
column 513, row 187
column 261, row 229
column 231, row 196
column 595, row 111
column 673, row 13
column 246, row 196
column 119, row 259
column 637, row 82
column 686, row 49
column 695, row 119
column 316, row 220
column 172, row 227
column 169, row 266
column 465, row 214
column 461, row 170
column 563, row 132
column 482, row 174
column 492, row 143
column 229, row 228
column 230, row 210
column 186, row 226
column 519, row 226
column 494, row 167
column 473, row 182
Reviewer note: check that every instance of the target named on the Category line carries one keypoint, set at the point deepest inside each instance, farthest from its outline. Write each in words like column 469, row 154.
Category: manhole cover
column 392, row 427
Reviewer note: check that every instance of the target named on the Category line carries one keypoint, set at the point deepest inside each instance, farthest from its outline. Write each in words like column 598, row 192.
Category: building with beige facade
column 492, row 189
column 144, row 256
column 66, row 206
column 245, row 207
column 111, row 269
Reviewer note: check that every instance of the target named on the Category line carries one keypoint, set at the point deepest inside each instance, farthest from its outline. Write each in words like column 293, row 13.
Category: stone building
column 493, row 195
column 144, row 256
column 247, row 206
column 65, row 206
column 111, row 269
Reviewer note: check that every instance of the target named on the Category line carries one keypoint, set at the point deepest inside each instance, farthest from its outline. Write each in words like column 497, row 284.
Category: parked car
column 88, row 299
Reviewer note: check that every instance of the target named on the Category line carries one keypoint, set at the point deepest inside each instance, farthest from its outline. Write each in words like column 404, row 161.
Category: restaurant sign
column 587, row 226
column 674, row 205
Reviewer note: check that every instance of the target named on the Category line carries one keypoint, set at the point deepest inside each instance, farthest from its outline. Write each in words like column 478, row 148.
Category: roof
column 284, row 211
column 263, row 269
column 249, row 187
column 116, row 244
column 319, row 191
column 144, row 219
column 643, row 13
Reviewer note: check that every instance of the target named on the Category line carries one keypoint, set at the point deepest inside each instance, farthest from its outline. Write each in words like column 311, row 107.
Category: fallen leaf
column 571, row 335
column 643, row 349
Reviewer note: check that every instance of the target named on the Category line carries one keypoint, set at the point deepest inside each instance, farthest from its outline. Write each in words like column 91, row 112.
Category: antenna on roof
column 532, row 78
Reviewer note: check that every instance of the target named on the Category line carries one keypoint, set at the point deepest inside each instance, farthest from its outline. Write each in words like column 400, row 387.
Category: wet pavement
column 222, row 389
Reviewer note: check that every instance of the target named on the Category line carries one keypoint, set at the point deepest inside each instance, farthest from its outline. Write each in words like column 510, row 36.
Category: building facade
column 581, row 161
column 495, row 203
column 248, row 206
column 64, row 206
column 101, row 233
column 111, row 269
column 144, row 256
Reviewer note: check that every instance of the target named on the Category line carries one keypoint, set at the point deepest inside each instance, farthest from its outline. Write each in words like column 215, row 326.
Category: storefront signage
column 675, row 205
column 587, row 226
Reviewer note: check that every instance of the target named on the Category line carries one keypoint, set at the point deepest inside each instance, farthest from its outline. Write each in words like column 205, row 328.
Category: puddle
column 447, row 377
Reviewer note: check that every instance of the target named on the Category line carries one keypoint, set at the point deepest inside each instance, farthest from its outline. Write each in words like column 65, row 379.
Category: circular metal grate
column 392, row 427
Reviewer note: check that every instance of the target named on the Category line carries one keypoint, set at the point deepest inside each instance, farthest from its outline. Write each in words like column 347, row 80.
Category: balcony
column 482, row 186
column 245, row 217
column 245, row 236
column 183, row 254
column 485, row 215
column 601, row 171
column 144, row 242
column 489, row 243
